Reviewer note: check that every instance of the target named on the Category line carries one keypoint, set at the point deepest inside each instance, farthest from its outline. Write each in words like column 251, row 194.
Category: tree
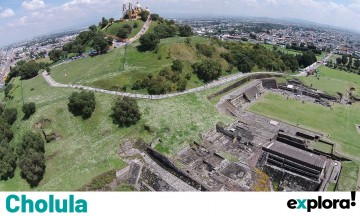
column 149, row 41
column 7, row 161
column 122, row 33
column 5, row 131
column 9, row 115
column 111, row 20
column 48, row 70
column 56, row 54
column 126, row 111
column 154, row 17
column 344, row 59
column 136, row 24
column 177, row 66
column 205, row 49
column 100, row 43
column 32, row 165
column 165, row 30
column 104, row 22
column 93, row 28
column 144, row 15
column 208, row 70
column 82, row 104
column 7, row 89
column 338, row 60
column 357, row 63
column 185, row 31
column 29, row 109
column 29, row 141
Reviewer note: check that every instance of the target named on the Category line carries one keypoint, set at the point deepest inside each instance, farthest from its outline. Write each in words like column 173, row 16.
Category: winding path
column 213, row 84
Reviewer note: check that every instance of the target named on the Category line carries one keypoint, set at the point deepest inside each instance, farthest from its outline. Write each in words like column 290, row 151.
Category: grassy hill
column 332, row 81
column 116, row 26
column 87, row 149
column 106, row 71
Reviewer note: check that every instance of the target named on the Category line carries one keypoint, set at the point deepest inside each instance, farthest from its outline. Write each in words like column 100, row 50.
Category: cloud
column 33, row 4
column 7, row 13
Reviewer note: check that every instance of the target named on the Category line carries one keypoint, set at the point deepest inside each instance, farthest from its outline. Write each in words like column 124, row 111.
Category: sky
column 23, row 19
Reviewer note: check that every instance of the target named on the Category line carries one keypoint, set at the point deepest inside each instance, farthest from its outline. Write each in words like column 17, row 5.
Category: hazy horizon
column 24, row 19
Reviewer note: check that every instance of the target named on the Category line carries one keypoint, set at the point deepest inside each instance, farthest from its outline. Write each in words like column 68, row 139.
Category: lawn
column 87, row 149
column 292, row 52
column 106, row 71
column 332, row 81
column 338, row 124
column 115, row 27
column 348, row 177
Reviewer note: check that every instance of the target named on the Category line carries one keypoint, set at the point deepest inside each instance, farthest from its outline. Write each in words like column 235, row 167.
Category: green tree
column 9, row 115
column 126, row 111
column 32, row 165
column 7, row 161
column 136, row 24
column 144, row 15
column 82, row 104
column 29, row 109
column 123, row 33
column 93, row 28
column 111, row 20
column 7, row 89
column 177, row 66
column 149, row 41
column 29, row 141
column 100, row 43
column 165, row 30
column 5, row 131
column 208, row 70
column 56, row 55
column 154, row 17
column 344, row 59
column 104, row 22
column 357, row 63
column 185, row 31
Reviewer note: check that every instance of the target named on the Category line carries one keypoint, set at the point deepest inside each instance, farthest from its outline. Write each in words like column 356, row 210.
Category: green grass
column 338, row 123
column 332, row 81
column 88, row 149
column 292, row 52
column 348, row 177
column 331, row 186
column 115, row 27
column 106, row 71
column 323, row 147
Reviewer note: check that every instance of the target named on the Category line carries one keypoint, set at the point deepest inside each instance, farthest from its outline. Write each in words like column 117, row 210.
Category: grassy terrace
column 332, row 81
column 87, row 149
column 292, row 52
column 338, row 123
column 115, row 27
column 106, row 71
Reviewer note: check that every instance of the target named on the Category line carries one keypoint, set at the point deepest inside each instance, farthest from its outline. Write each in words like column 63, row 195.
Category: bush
column 5, row 131
column 9, row 115
column 208, row 70
column 29, row 141
column 144, row 15
column 154, row 17
column 126, row 111
column 29, row 109
column 185, row 31
column 149, row 41
column 7, row 89
column 32, row 165
column 205, row 49
column 82, row 104
column 177, row 66
column 7, row 160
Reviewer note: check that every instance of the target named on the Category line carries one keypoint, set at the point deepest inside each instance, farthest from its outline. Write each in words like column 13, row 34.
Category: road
column 213, row 84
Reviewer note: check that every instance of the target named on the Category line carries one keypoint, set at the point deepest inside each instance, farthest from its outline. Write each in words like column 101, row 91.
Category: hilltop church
column 131, row 12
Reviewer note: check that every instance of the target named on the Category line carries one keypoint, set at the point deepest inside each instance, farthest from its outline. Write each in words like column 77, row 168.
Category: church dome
column 138, row 5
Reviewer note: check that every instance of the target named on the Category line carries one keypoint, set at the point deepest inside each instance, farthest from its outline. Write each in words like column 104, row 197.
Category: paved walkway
column 213, row 84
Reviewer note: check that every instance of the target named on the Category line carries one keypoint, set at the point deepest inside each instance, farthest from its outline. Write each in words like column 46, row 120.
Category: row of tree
column 165, row 29
column 168, row 80
column 92, row 38
column 26, row 70
column 125, row 111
